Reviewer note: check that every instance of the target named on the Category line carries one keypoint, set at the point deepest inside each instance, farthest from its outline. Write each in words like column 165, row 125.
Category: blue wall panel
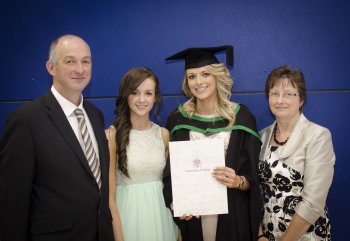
column 311, row 35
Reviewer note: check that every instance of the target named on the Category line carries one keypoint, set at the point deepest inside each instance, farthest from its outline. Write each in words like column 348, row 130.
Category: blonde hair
column 224, row 85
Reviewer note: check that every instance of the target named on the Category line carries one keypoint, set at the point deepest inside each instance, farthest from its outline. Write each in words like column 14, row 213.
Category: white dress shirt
column 68, row 109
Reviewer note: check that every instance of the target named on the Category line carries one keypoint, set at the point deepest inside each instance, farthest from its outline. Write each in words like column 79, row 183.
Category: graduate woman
column 210, row 114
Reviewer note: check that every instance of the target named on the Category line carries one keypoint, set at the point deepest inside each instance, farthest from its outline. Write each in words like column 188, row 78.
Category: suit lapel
column 57, row 116
column 295, row 138
column 292, row 144
column 265, row 138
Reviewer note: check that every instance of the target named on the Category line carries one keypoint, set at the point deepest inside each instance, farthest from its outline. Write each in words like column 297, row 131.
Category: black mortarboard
column 199, row 57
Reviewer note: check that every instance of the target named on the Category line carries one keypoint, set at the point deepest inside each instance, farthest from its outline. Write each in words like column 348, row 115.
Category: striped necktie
column 89, row 149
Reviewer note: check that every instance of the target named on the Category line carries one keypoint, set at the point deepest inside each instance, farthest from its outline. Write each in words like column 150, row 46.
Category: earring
column 300, row 107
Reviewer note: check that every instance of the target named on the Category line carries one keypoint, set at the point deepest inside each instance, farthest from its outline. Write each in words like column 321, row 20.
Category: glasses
column 285, row 95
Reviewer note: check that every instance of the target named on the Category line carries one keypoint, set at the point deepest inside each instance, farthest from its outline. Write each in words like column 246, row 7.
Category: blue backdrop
column 311, row 35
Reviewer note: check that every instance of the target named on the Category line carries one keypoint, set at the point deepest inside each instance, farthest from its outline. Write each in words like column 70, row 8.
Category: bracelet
column 260, row 236
column 241, row 183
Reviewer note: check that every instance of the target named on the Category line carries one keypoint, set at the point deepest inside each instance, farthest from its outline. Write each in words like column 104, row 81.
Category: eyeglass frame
column 285, row 95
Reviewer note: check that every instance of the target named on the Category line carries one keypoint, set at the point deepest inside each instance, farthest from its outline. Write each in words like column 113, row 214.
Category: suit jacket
column 309, row 150
column 47, row 190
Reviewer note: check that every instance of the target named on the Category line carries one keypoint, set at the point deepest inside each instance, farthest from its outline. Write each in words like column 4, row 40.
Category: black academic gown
column 245, row 207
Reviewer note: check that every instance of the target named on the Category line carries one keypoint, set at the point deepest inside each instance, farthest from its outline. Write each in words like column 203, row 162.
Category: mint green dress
column 140, row 201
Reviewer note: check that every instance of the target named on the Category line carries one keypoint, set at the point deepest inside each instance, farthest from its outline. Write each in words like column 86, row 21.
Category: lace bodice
column 146, row 157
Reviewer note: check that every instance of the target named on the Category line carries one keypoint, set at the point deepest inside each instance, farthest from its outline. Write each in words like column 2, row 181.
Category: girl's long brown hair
column 131, row 80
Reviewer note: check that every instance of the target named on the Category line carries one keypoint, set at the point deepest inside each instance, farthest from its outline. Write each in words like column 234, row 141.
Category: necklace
column 275, row 139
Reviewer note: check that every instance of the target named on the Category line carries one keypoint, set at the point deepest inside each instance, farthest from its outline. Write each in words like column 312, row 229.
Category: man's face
column 72, row 69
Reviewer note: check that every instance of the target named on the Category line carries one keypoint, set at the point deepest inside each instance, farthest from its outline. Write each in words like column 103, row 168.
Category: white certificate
column 195, row 191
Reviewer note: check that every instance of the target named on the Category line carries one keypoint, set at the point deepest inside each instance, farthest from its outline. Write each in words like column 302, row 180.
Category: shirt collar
column 67, row 106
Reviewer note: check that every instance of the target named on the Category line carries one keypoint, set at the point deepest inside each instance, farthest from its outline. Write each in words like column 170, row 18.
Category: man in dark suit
column 48, row 187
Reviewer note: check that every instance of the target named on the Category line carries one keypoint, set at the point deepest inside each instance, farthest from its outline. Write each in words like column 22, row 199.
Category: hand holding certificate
column 195, row 191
